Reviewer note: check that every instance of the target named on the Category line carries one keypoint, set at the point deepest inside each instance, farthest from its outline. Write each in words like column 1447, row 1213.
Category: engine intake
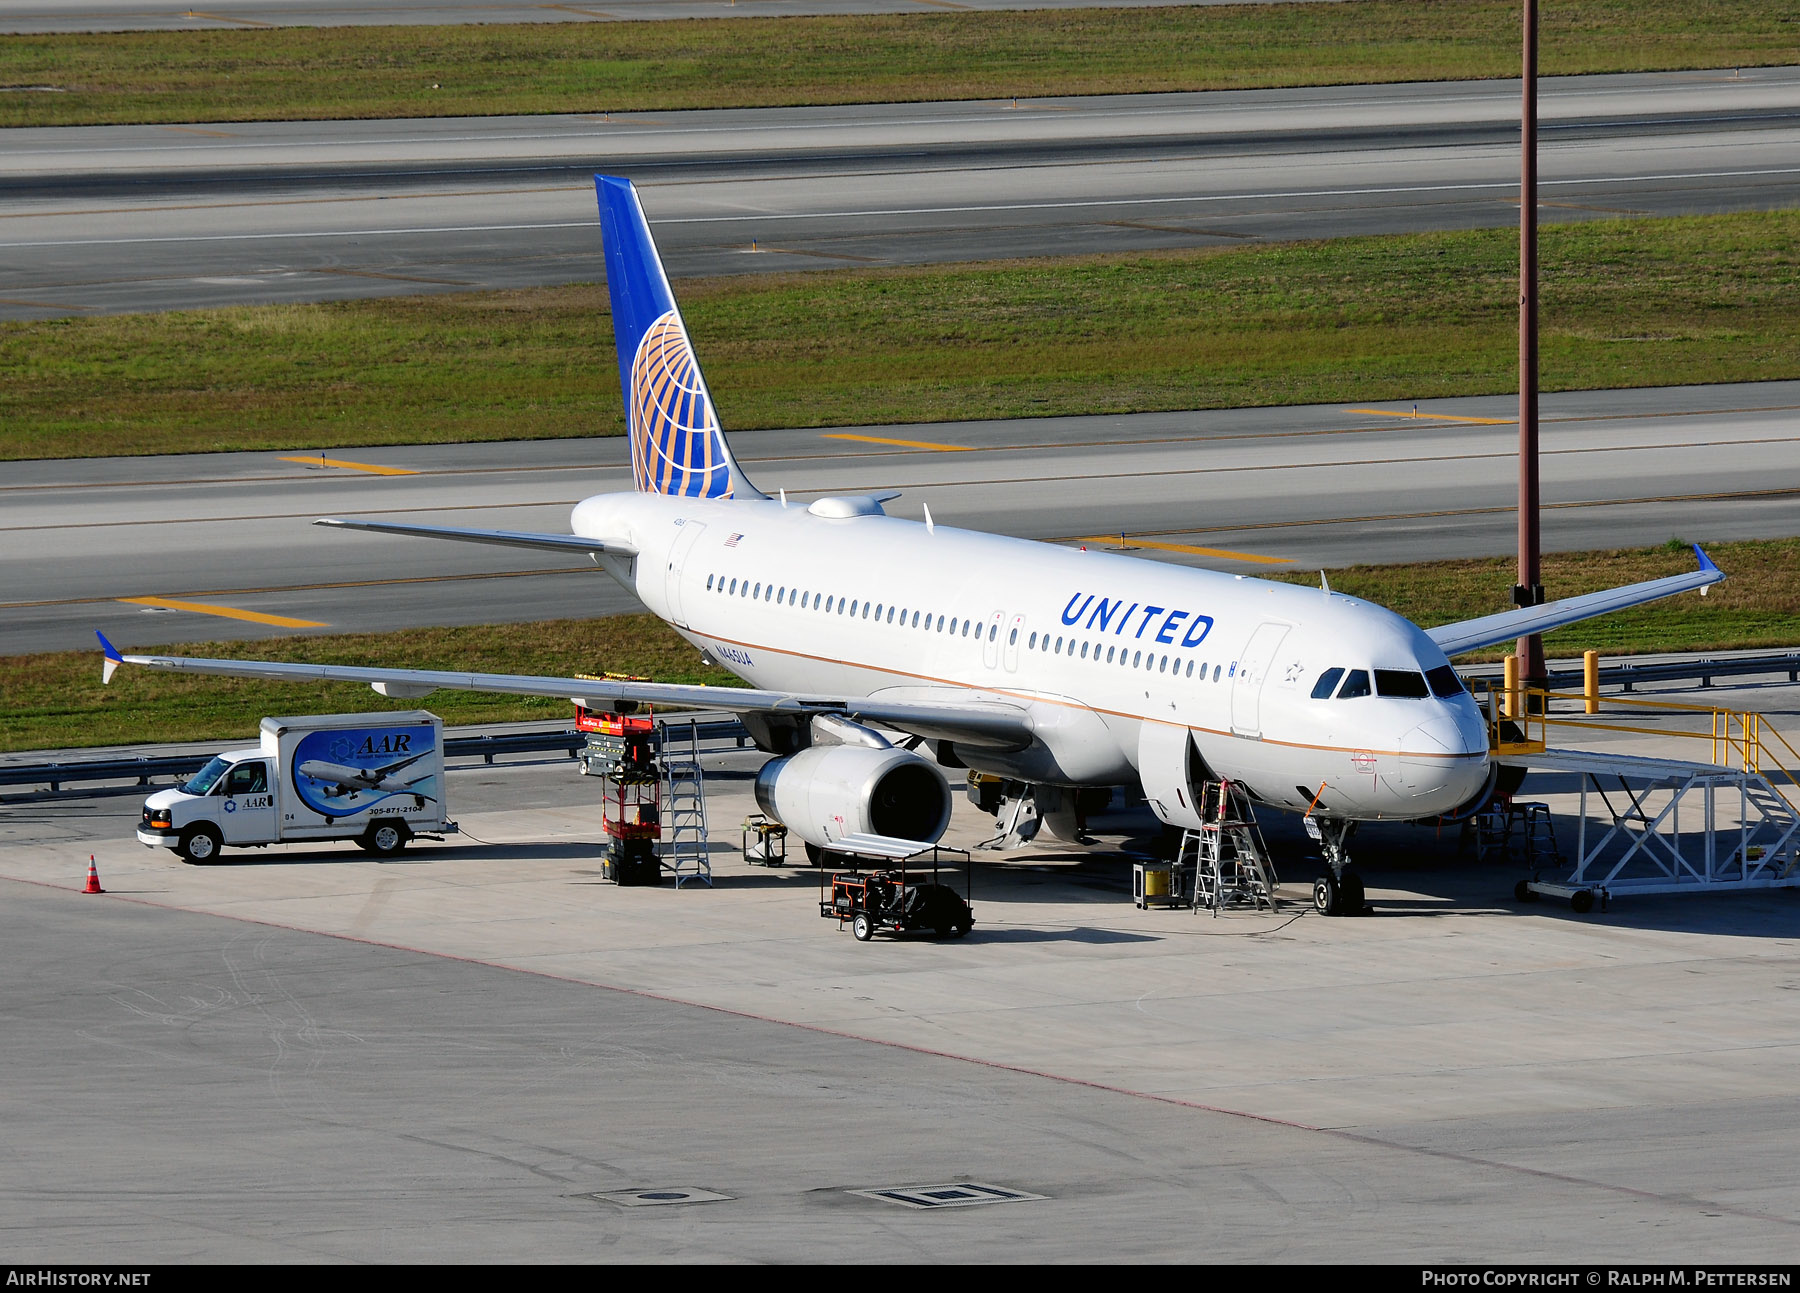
column 829, row 791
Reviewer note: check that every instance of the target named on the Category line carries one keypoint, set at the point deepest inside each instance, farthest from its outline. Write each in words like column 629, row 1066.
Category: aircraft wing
column 388, row 769
column 1468, row 635
column 572, row 543
column 974, row 722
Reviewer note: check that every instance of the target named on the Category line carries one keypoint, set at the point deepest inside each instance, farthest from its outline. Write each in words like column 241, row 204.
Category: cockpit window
column 1357, row 684
column 1403, row 683
column 1444, row 682
column 1327, row 683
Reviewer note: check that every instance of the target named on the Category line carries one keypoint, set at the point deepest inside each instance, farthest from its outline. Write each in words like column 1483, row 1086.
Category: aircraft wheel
column 1350, row 895
column 200, row 844
column 862, row 927
column 1524, row 892
column 1582, row 901
column 384, row 838
column 815, row 854
column 1325, row 895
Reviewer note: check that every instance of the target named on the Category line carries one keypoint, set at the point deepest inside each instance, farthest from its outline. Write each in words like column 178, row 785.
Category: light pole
column 1529, row 591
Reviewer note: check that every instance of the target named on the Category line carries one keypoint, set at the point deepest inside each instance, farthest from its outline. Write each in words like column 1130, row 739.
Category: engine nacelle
column 829, row 791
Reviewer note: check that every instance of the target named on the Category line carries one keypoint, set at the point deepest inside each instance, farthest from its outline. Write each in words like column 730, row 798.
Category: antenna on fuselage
column 783, row 497
column 928, row 526
column 1324, row 583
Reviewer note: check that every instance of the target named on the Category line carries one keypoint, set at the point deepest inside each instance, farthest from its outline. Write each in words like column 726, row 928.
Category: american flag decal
column 732, row 542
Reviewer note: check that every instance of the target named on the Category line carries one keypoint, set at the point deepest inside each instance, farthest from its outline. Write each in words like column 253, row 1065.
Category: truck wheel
column 200, row 844
column 384, row 839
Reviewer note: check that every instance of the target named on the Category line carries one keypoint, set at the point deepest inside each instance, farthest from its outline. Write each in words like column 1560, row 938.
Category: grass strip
column 308, row 73
column 1624, row 303
column 55, row 700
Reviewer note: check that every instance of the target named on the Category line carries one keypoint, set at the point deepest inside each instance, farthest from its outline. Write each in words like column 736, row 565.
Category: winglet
column 1706, row 568
column 113, row 658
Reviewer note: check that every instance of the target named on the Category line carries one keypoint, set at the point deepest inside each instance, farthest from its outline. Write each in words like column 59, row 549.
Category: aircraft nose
column 1470, row 728
column 1435, row 762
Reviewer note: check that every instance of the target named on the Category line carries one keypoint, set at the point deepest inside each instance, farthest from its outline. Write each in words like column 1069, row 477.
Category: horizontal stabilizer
column 572, row 543
column 1470, row 635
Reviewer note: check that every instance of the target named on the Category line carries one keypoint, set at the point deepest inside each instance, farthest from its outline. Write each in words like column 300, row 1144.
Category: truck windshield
column 204, row 780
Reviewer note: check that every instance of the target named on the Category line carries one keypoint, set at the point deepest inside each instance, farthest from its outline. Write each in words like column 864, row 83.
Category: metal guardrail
column 486, row 747
column 1625, row 675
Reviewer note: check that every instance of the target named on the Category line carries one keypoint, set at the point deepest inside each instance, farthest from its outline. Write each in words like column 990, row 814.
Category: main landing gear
column 1339, row 892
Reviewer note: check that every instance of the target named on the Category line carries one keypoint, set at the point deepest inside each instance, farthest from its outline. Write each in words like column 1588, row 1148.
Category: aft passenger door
column 678, row 555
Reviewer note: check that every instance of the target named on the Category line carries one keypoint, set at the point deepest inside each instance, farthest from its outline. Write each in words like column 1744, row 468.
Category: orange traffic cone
column 93, row 884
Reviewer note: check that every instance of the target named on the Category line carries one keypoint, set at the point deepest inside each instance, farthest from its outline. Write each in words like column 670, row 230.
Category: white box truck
column 377, row 779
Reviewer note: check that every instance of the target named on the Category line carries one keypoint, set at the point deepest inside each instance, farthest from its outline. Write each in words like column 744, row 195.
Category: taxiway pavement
column 1251, row 490
column 131, row 218
column 49, row 16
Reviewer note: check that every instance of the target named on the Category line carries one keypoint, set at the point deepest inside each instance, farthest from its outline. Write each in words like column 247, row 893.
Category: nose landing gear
column 1340, row 891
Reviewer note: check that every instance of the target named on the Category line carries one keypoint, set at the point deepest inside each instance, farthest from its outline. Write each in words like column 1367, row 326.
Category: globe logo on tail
column 676, row 447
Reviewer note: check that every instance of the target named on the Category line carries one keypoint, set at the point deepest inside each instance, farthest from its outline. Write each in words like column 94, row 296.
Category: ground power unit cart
column 897, row 899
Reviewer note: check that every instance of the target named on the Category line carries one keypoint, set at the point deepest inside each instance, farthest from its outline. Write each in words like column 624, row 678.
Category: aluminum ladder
column 1231, row 864
column 685, row 854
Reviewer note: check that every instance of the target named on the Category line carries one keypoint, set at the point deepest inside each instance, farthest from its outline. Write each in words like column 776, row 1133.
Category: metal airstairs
column 1230, row 861
column 685, row 855
column 1654, row 825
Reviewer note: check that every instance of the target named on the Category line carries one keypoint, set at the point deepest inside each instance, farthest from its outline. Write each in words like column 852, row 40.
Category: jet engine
column 826, row 792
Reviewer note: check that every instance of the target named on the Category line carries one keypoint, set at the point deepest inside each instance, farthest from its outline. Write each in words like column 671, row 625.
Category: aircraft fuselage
column 1097, row 646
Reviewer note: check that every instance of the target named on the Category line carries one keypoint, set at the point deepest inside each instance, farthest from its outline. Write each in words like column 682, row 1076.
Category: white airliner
column 350, row 781
column 1078, row 669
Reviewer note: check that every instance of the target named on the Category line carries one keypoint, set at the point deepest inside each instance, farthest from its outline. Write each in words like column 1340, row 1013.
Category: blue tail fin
column 677, row 446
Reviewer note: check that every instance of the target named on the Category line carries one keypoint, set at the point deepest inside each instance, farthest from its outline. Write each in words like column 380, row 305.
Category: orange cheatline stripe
column 1225, row 554
column 904, row 444
column 1435, row 417
column 227, row 612
column 371, row 468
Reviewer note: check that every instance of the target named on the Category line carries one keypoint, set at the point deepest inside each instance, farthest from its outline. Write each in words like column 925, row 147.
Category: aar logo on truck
column 342, row 773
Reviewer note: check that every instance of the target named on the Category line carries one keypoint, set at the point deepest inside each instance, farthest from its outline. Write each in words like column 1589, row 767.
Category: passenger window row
column 1074, row 648
column 1125, row 657
column 831, row 604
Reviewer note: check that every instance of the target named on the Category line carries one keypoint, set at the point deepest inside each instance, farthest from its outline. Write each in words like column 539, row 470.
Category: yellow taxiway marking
column 355, row 466
column 904, row 444
column 1113, row 540
column 227, row 612
column 1435, row 417
column 219, row 17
